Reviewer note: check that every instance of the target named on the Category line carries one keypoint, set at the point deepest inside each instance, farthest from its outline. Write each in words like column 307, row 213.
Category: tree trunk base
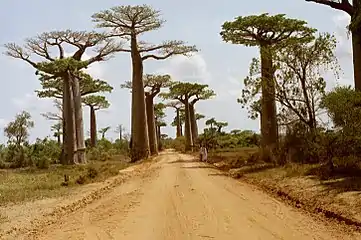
column 137, row 154
column 81, row 156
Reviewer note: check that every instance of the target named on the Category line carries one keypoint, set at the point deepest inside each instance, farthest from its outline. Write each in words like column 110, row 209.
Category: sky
column 222, row 66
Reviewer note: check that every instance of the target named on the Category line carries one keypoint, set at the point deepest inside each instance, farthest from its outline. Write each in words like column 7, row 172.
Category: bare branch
column 168, row 49
column 343, row 5
column 16, row 51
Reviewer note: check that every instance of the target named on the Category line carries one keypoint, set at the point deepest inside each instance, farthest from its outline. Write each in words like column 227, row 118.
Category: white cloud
column 344, row 49
column 187, row 69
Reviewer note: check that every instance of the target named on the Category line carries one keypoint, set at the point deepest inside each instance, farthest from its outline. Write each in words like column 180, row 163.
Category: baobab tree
column 201, row 93
column 95, row 103
column 268, row 33
column 177, row 105
column 159, row 115
column 103, row 131
column 153, row 85
column 184, row 92
column 120, row 129
column 352, row 8
column 67, row 70
column 128, row 23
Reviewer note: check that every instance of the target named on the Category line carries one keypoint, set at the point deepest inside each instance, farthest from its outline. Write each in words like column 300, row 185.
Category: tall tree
column 211, row 122
column 184, row 92
column 103, row 131
column 153, row 85
column 159, row 122
column 120, row 129
column 266, row 32
column 95, row 103
column 128, row 23
column 201, row 93
column 176, row 123
column 298, row 80
column 221, row 125
column 352, row 8
column 67, row 69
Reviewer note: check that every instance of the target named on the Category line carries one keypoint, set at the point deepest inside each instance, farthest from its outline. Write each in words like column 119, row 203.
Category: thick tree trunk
column 69, row 130
column 79, row 123
column 187, row 126
column 139, row 127
column 269, row 114
column 151, row 125
column 179, row 125
column 159, row 137
column 356, row 52
column 193, row 122
column 93, row 127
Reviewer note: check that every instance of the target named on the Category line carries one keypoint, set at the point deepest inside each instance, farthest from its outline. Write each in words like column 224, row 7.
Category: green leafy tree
column 299, row 84
column 153, row 85
column 129, row 22
column 17, row 131
column 266, row 32
column 220, row 126
column 103, row 131
column 95, row 103
column 353, row 10
column 343, row 105
column 67, row 69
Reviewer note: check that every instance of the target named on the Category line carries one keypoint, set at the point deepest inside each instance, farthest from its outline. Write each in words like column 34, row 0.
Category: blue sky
column 222, row 66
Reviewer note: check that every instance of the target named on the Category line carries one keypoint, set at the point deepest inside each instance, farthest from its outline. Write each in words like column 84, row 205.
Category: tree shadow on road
column 182, row 161
column 218, row 174
column 200, row 166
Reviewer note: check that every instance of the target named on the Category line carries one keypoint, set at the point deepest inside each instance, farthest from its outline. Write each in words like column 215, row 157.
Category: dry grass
column 29, row 184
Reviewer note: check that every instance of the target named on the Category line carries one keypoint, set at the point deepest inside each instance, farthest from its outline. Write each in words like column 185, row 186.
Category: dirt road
column 178, row 199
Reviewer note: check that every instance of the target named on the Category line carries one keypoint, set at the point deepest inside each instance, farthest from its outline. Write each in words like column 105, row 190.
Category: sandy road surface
column 179, row 199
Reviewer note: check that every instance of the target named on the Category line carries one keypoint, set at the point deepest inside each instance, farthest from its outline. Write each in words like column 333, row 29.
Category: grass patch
column 30, row 183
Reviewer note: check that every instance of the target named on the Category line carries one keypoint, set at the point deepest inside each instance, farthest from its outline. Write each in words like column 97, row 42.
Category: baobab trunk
column 140, row 139
column 187, row 126
column 159, row 138
column 356, row 52
column 193, row 122
column 93, row 127
column 179, row 124
column 151, row 125
column 68, row 135
column 79, row 123
column 269, row 118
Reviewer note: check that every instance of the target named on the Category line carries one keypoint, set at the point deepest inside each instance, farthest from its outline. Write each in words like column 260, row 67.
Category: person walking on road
column 203, row 154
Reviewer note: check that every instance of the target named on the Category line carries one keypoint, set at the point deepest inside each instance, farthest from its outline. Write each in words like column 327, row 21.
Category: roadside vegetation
column 297, row 150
